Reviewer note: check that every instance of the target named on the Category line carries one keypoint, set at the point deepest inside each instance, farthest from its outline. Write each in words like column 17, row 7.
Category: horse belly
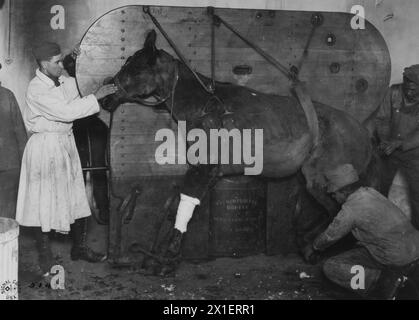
column 286, row 139
column 286, row 158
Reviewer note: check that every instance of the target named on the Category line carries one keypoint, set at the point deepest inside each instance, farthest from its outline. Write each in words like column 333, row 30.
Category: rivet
column 334, row 67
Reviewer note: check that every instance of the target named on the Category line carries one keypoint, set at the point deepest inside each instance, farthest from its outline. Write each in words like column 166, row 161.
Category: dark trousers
column 408, row 164
column 9, row 185
column 339, row 269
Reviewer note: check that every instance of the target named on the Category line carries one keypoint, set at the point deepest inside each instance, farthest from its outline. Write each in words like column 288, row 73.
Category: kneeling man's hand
column 311, row 255
column 388, row 147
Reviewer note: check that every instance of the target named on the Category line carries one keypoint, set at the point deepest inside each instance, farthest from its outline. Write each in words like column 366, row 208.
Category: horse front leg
column 198, row 180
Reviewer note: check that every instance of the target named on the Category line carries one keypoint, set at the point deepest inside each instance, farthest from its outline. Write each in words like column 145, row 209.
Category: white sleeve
column 70, row 87
column 54, row 108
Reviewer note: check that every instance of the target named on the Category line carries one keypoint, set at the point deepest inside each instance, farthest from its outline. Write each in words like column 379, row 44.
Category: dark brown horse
column 288, row 144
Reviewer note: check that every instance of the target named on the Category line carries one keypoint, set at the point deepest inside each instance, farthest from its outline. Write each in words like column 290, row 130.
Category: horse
column 90, row 135
column 288, row 143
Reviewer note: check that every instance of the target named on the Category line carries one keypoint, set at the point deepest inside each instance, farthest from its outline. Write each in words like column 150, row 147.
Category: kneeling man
column 388, row 242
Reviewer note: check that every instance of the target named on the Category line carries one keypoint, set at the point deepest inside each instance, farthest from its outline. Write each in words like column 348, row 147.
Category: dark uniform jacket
column 396, row 120
column 379, row 226
column 12, row 132
column 12, row 144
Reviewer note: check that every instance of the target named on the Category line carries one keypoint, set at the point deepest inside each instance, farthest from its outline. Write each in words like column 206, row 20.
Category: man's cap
column 341, row 176
column 412, row 73
column 44, row 51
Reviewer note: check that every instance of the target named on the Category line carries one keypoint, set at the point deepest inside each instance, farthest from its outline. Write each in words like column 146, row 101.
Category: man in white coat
column 51, row 190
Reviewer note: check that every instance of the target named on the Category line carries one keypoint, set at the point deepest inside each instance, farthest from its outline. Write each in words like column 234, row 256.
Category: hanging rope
column 9, row 40
column 284, row 70
column 213, row 25
column 298, row 87
column 316, row 21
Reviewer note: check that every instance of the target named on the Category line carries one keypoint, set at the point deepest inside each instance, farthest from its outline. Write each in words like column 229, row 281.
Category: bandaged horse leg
column 184, row 215
column 185, row 212
column 197, row 182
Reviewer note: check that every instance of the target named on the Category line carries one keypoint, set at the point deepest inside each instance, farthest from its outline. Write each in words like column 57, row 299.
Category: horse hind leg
column 316, row 211
column 316, row 186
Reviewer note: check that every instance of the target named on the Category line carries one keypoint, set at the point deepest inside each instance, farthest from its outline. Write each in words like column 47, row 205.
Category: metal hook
column 146, row 9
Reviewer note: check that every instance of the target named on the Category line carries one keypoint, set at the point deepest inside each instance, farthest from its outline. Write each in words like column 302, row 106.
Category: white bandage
column 185, row 212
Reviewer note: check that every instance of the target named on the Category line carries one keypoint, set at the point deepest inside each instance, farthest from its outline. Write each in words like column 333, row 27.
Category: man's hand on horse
column 105, row 90
column 76, row 52
column 388, row 147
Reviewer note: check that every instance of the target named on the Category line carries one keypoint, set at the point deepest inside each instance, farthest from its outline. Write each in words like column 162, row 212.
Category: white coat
column 51, row 189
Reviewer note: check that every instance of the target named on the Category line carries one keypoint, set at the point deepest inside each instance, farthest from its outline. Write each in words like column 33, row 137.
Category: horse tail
column 371, row 126
column 373, row 175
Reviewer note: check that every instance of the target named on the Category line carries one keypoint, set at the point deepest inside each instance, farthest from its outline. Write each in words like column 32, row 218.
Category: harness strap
column 396, row 101
column 309, row 111
column 299, row 89
column 290, row 75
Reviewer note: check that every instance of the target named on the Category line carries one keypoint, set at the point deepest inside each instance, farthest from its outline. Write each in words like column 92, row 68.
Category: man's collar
column 45, row 78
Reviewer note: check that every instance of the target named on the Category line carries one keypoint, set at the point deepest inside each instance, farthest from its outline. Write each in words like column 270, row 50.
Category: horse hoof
column 167, row 271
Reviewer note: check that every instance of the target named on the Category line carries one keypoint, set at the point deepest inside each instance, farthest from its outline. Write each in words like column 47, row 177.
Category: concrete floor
column 257, row 277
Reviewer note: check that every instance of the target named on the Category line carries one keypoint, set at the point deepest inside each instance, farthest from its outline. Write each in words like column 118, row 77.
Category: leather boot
column 387, row 286
column 46, row 258
column 173, row 253
column 80, row 250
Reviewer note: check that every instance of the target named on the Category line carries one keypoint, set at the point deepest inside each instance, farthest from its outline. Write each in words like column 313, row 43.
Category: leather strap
column 309, row 111
column 396, row 102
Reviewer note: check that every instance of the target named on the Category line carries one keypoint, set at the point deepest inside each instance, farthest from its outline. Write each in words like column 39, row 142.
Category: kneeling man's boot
column 173, row 254
column 80, row 250
column 387, row 286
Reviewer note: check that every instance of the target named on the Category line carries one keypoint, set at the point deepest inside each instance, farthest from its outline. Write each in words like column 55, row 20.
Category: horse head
column 149, row 73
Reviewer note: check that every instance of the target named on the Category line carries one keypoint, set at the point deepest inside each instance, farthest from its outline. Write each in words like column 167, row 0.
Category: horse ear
column 150, row 41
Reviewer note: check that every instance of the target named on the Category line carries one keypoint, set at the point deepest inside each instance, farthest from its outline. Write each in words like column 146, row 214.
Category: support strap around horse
column 298, row 86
